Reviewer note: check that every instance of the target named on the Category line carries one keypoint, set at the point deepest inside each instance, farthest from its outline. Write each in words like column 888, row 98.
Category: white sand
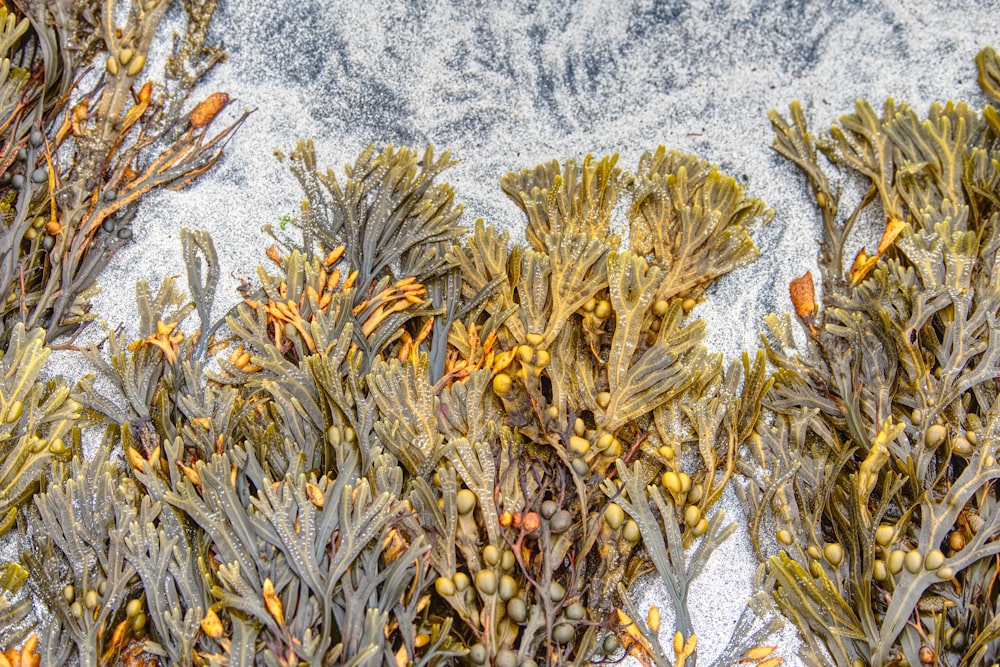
column 505, row 88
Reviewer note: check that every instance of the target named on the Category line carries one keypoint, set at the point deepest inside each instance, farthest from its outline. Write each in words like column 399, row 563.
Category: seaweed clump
column 414, row 445
column 410, row 444
column 78, row 151
column 75, row 163
column 881, row 460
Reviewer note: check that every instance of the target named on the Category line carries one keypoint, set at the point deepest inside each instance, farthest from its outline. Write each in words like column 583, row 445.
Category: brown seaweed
column 881, row 460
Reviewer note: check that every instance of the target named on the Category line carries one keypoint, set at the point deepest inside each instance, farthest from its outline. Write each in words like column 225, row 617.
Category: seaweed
column 410, row 444
column 78, row 565
column 879, row 466
column 37, row 418
column 405, row 445
column 76, row 162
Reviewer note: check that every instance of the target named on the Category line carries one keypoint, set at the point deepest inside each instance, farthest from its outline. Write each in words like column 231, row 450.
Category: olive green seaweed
column 413, row 443
column 75, row 164
column 37, row 420
column 879, row 466
column 418, row 465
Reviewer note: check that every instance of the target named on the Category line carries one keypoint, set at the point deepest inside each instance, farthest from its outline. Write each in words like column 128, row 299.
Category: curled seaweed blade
column 388, row 213
column 988, row 65
column 79, row 547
